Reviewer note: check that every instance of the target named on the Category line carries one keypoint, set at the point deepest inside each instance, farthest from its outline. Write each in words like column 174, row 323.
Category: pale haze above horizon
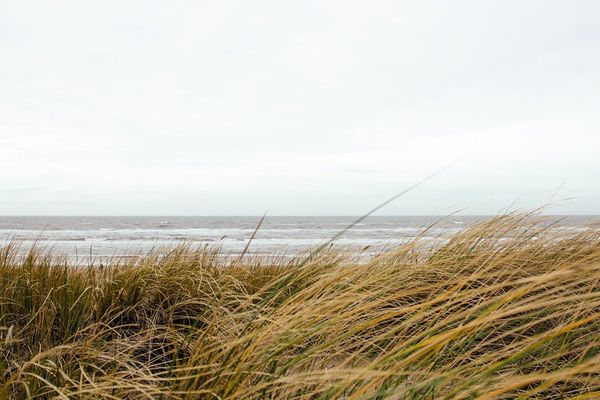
column 298, row 108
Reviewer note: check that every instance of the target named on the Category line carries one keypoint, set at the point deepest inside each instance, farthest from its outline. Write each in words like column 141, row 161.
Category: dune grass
column 506, row 309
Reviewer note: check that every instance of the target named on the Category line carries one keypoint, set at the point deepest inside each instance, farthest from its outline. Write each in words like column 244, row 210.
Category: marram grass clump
column 507, row 309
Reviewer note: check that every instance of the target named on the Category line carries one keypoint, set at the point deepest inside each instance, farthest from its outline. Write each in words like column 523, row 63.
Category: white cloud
column 189, row 107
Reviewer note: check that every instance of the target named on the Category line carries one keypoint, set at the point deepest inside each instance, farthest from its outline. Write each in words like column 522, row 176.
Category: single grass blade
column 380, row 206
column 252, row 237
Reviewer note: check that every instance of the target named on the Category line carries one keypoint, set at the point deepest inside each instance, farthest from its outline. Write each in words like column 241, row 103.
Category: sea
column 122, row 237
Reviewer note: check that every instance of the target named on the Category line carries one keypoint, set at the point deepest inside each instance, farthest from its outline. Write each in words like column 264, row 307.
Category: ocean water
column 125, row 236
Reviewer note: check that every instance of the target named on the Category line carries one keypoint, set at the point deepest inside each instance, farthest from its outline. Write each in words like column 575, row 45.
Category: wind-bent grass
column 506, row 309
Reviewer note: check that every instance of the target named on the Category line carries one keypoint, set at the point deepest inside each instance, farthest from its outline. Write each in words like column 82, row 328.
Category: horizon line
column 279, row 215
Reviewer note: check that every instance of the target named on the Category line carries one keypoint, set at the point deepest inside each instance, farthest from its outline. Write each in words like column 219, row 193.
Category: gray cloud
column 187, row 107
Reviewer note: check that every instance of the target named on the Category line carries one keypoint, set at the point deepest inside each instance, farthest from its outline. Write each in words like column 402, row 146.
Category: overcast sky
column 298, row 107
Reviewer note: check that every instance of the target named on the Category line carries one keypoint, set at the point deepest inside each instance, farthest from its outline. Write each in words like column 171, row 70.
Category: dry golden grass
column 480, row 316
